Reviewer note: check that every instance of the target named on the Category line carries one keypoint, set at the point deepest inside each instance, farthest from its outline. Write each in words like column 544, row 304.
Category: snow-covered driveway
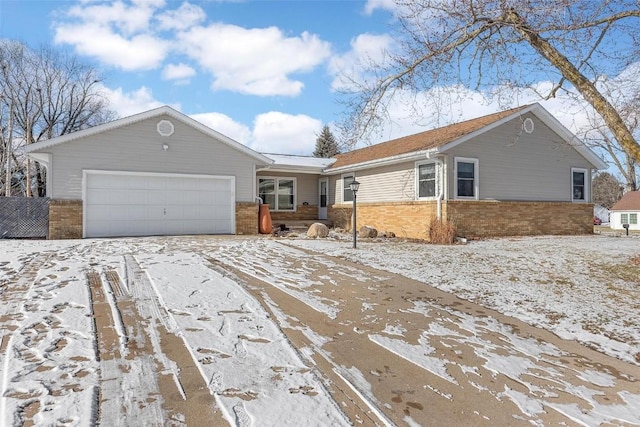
column 259, row 332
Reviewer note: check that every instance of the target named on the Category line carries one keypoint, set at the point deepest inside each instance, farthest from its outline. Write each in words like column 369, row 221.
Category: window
column 631, row 218
column 578, row 185
column 347, row 194
column 278, row 193
column 466, row 178
column 426, row 180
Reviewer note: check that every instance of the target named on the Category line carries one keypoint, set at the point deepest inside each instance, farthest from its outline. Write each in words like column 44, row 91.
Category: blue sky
column 262, row 72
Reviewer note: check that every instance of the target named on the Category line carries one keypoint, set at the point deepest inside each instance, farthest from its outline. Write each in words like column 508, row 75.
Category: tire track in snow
column 153, row 379
column 125, row 397
column 147, row 298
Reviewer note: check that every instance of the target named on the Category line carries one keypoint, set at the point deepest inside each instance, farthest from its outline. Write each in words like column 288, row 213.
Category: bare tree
column 607, row 190
column 50, row 94
column 497, row 44
column 599, row 138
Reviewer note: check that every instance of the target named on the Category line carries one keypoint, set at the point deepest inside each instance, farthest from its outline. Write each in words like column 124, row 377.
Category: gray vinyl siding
column 138, row 148
column 382, row 184
column 306, row 185
column 514, row 165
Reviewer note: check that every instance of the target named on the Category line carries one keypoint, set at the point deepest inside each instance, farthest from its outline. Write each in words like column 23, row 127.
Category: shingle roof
column 421, row 141
column 629, row 202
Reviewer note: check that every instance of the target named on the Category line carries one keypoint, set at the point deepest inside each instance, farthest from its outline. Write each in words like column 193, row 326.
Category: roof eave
column 43, row 158
column 547, row 118
column 400, row 158
column 136, row 118
column 292, row 169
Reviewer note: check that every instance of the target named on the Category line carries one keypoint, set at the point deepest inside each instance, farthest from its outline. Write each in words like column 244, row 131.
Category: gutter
column 415, row 155
column 432, row 156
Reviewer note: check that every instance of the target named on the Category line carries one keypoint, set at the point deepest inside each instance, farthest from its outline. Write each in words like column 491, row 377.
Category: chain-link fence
column 24, row 217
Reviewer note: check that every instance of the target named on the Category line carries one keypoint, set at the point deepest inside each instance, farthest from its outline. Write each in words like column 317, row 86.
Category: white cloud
column 254, row 61
column 117, row 15
column 178, row 72
column 281, row 133
column 373, row 5
column 119, row 34
column 139, row 35
column 350, row 67
column 186, row 16
column 225, row 125
column 139, row 52
column 129, row 103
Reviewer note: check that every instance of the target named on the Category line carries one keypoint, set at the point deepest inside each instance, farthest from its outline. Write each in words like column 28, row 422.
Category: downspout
column 440, row 167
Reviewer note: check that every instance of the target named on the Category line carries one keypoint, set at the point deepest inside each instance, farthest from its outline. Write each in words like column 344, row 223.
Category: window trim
column 276, row 179
column 629, row 219
column 417, row 179
column 476, row 177
column 342, row 177
column 585, row 196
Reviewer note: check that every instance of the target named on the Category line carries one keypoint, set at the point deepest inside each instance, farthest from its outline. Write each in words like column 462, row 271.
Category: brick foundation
column 65, row 219
column 246, row 218
column 472, row 218
column 494, row 219
column 405, row 219
column 303, row 212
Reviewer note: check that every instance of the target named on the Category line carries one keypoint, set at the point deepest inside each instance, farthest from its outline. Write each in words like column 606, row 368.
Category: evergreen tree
column 326, row 145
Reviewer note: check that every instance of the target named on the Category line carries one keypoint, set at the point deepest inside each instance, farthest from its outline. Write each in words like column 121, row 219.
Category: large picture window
column 578, row 185
column 466, row 178
column 347, row 194
column 426, row 175
column 278, row 193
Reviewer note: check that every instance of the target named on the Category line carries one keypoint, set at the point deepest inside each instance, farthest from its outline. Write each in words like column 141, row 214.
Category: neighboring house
column 517, row 172
column 626, row 211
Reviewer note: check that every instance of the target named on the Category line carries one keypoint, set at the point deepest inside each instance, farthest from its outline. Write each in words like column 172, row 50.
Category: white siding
column 138, row 148
column 616, row 220
column 383, row 184
column 514, row 165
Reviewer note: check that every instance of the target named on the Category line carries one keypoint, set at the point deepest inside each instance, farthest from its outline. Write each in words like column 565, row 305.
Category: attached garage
column 150, row 204
column 159, row 172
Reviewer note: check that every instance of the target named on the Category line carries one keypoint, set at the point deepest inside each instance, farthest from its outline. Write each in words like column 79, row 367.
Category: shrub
column 442, row 232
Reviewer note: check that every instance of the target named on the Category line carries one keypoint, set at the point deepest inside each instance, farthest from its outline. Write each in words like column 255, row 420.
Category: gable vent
column 165, row 128
column 528, row 125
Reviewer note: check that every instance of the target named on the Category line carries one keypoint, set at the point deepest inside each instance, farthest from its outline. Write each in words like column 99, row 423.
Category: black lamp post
column 354, row 186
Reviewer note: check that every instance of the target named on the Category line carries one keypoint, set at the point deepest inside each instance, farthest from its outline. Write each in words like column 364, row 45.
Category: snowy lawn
column 584, row 288
column 53, row 372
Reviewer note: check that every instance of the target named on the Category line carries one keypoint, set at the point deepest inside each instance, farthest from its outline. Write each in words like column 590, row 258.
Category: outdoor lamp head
column 354, row 186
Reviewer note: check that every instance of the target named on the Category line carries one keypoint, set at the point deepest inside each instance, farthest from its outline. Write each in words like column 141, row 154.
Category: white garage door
column 137, row 204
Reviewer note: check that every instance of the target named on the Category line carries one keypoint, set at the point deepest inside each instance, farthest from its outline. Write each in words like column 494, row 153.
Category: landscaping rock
column 367, row 231
column 317, row 229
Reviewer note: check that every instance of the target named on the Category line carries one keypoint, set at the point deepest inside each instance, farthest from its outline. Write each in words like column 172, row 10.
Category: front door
column 323, row 195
